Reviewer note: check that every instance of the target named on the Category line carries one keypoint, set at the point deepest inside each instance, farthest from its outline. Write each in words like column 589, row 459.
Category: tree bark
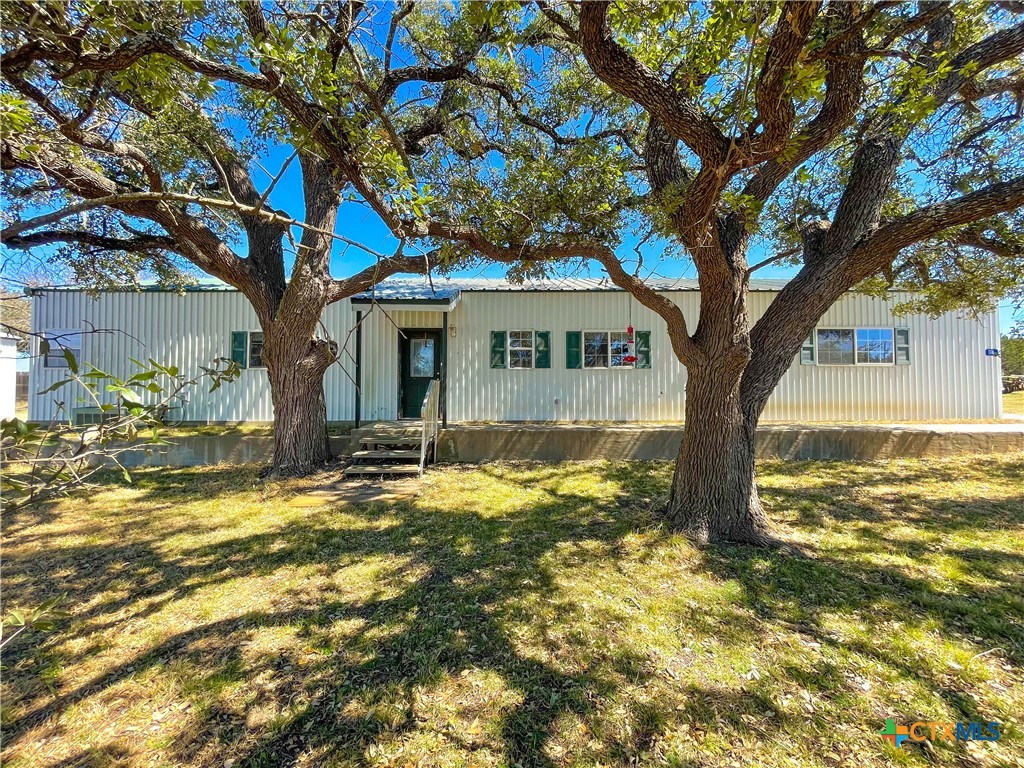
column 296, row 371
column 714, row 492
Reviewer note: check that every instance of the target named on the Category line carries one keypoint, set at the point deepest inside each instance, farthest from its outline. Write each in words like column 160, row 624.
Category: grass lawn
column 1013, row 402
column 532, row 615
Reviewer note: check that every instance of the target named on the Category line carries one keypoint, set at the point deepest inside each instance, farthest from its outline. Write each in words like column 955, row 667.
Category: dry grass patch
column 518, row 615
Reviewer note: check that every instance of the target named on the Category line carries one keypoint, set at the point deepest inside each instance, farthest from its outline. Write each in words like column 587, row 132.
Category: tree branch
column 127, row 54
column 889, row 239
column 369, row 277
column 136, row 244
column 775, row 110
column 844, row 88
column 680, row 115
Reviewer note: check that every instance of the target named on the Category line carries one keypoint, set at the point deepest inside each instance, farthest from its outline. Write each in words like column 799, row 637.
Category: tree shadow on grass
column 922, row 579
column 439, row 627
column 446, row 589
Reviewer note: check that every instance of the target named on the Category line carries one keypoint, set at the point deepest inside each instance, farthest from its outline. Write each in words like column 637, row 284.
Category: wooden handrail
column 429, row 415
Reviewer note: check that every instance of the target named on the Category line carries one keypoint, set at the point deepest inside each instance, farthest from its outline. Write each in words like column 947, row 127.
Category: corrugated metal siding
column 186, row 330
column 949, row 377
column 478, row 392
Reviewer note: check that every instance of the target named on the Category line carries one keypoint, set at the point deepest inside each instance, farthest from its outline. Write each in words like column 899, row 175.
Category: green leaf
column 55, row 386
column 130, row 396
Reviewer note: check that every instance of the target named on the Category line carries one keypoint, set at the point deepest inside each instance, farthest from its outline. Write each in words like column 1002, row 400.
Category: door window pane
column 875, row 346
column 421, row 359
column 835, row 346
column 595, row 349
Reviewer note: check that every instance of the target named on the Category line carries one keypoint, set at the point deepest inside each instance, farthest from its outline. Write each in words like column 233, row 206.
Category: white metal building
column 536, row 352
column 8, row 375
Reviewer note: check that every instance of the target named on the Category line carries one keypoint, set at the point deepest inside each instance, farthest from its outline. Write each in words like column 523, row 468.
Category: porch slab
column 475, row 443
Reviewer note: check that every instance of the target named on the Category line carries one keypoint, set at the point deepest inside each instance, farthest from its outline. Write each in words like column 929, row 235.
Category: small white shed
column 8, row 375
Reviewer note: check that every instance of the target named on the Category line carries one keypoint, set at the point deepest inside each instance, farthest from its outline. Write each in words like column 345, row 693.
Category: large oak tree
column 131, row 141
column 894, row 94
column 870, row 145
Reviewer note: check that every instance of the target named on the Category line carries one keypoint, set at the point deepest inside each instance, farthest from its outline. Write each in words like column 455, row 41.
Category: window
column 247, row 349
column 874, row 346
column 606, row 349
column 619, row 347
column 595, row 349
column 56, row 342
column 835, row 346
column 520, row 349
column 858, row 346
column 256, row 350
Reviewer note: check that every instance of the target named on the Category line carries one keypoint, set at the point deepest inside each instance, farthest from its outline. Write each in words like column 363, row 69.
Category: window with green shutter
column 807, row 351
column 902, row 346
column 573, row 349
column 643, row 349
column 240, row 348
column 498, row 339
column 543, row 343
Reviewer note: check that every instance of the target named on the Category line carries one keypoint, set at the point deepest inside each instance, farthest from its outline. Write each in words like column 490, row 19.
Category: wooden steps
column 393, row 454
column 383, row 469
column 386, row 449
column 390, row 440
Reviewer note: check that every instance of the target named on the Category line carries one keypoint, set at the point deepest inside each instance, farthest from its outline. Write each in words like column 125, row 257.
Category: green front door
column 419, row 363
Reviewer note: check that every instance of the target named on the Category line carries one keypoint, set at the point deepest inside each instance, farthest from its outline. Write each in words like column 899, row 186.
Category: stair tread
column 382, row 469
column 390, row 440
column 393, row 454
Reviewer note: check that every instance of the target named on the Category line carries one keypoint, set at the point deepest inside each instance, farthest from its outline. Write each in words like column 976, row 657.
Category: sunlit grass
column 1014, row 403
column 246, row 429
column 519, row 614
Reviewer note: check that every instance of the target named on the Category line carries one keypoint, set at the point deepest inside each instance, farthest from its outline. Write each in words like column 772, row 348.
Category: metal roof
column 421, row 288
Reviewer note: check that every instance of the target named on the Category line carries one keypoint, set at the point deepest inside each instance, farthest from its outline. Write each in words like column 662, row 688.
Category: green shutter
column 573, row 347
column 643, row 349
column 807, row 351
column 240, row 348
column 543, row 359
column 902, row 336
column 498, row 339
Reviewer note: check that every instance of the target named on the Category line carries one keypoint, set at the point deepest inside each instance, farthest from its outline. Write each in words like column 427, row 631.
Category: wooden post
column 443, row 402
column 359, row 366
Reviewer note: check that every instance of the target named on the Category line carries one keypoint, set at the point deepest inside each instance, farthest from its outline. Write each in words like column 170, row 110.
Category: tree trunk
column 296, row 372
column 714, row 495
column 300, row 423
